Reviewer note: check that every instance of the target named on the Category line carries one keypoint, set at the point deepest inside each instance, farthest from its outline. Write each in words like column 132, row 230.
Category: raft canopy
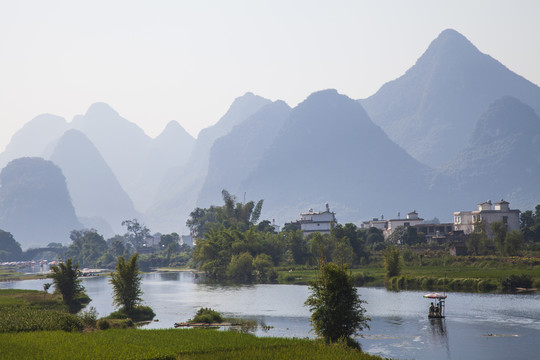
column 435, row 296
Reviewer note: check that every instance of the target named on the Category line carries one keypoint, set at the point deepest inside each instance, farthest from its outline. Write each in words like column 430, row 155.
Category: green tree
column 67, row 282
column 168, row 239
column 321, row 248
column 262, row 265
column 241, row 267
column 136, row 232
column 477, row 240
column 337, row 311
column 500, row 230
column 393, row 263
column 513, row 242
column 231, row 214
column 298, row 246
column 126, row 282
column 374, row 237
column 117, row 247
column 10, row 249
column 87, row 247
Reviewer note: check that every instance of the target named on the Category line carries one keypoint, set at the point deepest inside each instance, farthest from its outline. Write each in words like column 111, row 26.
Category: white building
column 487, row 214
column 388, row 226
column 311, row 221
column 187, row 240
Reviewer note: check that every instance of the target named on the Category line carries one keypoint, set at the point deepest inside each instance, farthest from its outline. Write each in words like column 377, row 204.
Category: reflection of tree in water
column 169, row 276
column 437, row 333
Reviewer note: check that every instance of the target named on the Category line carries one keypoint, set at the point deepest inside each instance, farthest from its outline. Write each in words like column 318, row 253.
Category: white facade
column 487, row 214
column 388, row 226
column 187, row 240
column 311, row 221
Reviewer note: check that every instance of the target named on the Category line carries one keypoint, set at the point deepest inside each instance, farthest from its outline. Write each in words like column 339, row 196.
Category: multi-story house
column 389, row 226
column 311, row 221
column 487, row 214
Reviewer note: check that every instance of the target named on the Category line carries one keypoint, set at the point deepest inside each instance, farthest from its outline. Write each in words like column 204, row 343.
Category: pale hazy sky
column 156, row 61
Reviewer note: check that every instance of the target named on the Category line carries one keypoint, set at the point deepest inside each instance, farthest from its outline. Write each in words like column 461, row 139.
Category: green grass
column 165, row 344
column 489, row 268
column 33, row 298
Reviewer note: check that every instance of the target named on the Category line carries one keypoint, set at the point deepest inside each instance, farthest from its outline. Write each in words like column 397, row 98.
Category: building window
column 505, row 219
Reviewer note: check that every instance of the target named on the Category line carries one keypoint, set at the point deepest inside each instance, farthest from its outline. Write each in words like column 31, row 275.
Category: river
column 477, row 326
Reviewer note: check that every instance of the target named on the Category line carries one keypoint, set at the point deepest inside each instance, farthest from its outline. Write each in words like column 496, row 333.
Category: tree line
column 90, row 249
column 232, row 244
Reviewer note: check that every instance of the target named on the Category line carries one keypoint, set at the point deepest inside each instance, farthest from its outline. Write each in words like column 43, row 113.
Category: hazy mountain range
column 456, row 129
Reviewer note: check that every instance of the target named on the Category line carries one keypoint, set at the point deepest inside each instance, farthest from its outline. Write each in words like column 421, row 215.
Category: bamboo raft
column 203, row 325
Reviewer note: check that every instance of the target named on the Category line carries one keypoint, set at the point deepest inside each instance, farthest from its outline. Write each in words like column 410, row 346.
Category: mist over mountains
column 456, row 129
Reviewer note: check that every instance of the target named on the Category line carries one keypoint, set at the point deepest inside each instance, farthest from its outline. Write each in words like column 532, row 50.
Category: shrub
column 455, row 284
column 401, row 282
column 138, row 313
column 514, row 281
column 358, row 279
column 428, row 283
column 206, row 315
column 103, row 324
column 469, row 284
column 487, row 286
column 89, row 318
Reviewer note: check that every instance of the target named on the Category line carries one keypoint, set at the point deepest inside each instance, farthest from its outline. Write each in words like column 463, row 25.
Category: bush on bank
column 442, row 284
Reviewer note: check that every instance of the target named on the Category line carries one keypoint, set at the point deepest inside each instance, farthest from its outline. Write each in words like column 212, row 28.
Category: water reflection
column 169, row 276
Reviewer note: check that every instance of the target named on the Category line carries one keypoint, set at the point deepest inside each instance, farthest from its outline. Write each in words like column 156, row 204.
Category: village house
column 389, row 226
column 311, row 221
column 487, row 214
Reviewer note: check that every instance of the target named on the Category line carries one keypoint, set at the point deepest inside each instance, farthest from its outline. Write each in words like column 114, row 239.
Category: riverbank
column 469, row 274
column 13, row 275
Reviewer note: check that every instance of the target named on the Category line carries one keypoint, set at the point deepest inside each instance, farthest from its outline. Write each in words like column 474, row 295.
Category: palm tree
column 66, row 280
column 126, row 281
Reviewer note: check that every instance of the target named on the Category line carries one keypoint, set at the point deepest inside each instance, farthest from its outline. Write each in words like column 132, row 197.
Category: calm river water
column 478, row 326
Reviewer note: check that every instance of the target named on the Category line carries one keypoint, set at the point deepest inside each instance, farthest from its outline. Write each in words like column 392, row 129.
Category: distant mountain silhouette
column 121, row 142
column 501, row 159
column 170, row 150
column 431, row 110
column 35, row 205
column 234, row 155
column 34, row 138
column 94, row 189
column 180, row 187
column 329, row 151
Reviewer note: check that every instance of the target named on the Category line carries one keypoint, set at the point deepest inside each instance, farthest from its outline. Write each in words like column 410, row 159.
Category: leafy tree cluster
column 236, row 247
column 125, row 279
column 10, row 249
column 90, row 249
column 508, row 243
column 337, row 310
column 231, row 214
column 406, row 235
column 530, row 225
column 346, row 244
column 67, row 282
column 393, row 261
